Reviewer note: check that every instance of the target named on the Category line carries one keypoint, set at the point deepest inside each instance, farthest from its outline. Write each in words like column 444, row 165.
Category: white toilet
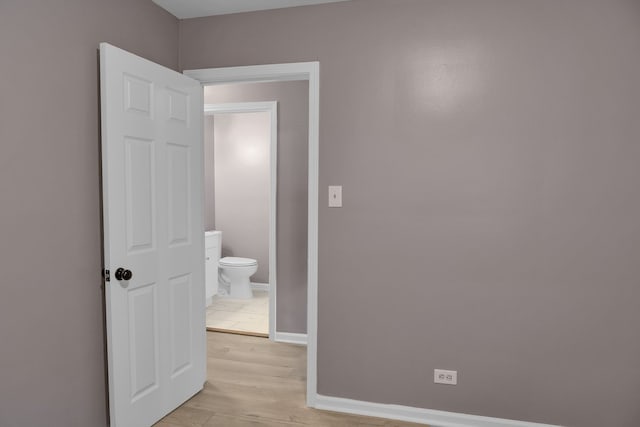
column 236, row 272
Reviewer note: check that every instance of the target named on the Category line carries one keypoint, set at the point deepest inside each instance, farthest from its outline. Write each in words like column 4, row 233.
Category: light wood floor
column 255, row 382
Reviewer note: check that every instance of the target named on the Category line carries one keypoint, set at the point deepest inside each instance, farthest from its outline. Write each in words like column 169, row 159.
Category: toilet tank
column 212, row 250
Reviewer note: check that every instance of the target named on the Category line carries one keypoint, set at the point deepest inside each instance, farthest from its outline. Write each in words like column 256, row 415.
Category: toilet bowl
column 236, row 272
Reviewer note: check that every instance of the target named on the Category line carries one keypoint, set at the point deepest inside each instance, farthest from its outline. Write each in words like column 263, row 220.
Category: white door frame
column 270, row 107
column 309, row 71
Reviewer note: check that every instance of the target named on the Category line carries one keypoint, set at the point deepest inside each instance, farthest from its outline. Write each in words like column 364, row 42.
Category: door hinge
column 107, row 275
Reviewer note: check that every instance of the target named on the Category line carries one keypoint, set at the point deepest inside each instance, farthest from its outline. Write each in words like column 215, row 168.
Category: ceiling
column 183, row 9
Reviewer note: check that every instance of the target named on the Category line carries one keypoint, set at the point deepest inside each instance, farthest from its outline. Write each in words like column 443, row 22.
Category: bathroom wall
column 209, row 175
column 243, row 186
column 291, row 224
column 52, row 351
column 489, row 152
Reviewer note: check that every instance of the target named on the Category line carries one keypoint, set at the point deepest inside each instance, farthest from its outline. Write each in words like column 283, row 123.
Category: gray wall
column 209, row 175
column 491, row 147
column 52, row 362
column 489, row 152
column 243, row 186
column 291, row 226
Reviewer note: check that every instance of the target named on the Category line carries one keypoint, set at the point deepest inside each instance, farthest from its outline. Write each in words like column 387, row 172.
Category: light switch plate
column 335, row 196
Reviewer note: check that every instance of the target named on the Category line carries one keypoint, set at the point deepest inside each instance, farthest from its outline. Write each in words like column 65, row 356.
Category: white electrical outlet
column 440, row 376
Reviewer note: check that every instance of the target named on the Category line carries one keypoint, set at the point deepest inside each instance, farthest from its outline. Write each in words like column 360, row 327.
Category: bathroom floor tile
column 254, row 309
column 249, row 326
column 224, row 324
column 242, row 315
column 222, row 303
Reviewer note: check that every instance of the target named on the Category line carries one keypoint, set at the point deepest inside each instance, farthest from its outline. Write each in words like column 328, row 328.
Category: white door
column 152, row 175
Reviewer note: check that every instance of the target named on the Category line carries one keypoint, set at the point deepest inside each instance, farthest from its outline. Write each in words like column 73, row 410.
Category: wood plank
column 252, row 381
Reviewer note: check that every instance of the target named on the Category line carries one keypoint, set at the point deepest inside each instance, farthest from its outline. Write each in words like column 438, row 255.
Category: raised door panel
column 179, row 200
column 178, row 106
column 180, row 289
column 140, row 194
column 143, row 341
column 138, row 96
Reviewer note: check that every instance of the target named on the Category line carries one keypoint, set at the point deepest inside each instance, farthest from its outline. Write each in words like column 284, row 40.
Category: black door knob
column 122, row 274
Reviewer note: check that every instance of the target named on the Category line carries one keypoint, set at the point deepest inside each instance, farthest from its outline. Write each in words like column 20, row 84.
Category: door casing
column 270, row 107
column 309, row 71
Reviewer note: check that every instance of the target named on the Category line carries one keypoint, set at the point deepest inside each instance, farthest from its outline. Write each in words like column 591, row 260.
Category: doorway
column 241, row 141
column 307, row 71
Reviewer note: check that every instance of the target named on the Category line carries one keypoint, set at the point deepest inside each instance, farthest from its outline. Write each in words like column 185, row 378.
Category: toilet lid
column 232, row 261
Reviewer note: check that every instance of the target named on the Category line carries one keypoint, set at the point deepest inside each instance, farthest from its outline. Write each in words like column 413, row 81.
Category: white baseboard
column 291, row 338
column 259, row 286
column 431, row 417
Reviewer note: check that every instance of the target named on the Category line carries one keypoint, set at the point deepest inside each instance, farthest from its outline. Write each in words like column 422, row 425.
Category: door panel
column 140, row 193
column 138, row 97
column 152, row 164
column 181, row 325
column 179, row 194
column 178, row 105
column 143, row 341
